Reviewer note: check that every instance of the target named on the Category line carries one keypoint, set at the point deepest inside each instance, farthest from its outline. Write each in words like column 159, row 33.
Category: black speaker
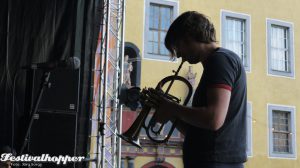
column 54, row 128
column 62, row 95
column 53, row 134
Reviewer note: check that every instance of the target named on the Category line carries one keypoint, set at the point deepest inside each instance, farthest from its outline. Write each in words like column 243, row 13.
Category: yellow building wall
column 262, row 88
column 142, row 160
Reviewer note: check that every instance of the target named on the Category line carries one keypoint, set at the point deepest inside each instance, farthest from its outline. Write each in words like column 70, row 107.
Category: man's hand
column 163, row 107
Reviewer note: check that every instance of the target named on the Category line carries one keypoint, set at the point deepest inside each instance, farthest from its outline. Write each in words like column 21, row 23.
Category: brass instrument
column 132, row 134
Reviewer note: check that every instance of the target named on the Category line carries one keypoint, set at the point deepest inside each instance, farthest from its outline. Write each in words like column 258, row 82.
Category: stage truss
column 106, row 113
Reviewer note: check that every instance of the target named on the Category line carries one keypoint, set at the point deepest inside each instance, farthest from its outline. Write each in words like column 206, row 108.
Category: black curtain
column 34, row 31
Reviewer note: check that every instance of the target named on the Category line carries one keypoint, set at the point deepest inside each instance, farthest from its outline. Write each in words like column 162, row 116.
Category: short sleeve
column 220, row 71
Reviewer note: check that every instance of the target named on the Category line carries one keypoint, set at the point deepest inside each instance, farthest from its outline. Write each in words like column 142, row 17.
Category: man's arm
column 221, row 73
column 211, row 117
column 181, row 126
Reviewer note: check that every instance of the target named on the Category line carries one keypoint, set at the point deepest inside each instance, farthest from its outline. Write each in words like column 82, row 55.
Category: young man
column 215, row 126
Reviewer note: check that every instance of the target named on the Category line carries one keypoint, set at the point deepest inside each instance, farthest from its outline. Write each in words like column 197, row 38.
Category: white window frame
column 145, row 136
column 290, row 27
column 175, row 5
column 172, row 136
column 292, row 111
column 249, row 130
column 247, row 19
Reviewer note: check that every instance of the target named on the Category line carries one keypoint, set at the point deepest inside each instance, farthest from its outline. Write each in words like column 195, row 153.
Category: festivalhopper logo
column 8, row 157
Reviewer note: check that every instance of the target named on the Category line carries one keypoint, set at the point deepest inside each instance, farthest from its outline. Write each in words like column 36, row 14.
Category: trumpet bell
column 132, row 134
column 135, row 142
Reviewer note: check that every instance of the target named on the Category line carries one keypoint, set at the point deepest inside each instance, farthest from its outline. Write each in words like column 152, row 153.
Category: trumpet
column 133, row 133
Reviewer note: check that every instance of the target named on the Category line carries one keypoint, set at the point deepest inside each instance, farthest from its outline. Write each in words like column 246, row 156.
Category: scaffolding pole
column 106, row 117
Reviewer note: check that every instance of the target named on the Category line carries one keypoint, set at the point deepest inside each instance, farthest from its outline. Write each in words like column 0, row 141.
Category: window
column 164, row 132
column 249, row 129
column 143, row 131
column 236, row 35
column 282, row 131
column 159, row 16
column 280, row 48
column 167, row 129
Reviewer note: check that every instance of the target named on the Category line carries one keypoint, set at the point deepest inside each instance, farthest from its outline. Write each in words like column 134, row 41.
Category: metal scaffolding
column 106, row 116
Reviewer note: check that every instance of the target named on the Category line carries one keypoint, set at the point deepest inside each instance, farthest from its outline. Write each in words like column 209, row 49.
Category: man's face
column 190, row 51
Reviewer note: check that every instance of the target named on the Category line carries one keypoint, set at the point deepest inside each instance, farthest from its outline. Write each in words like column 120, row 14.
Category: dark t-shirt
column 223, row 69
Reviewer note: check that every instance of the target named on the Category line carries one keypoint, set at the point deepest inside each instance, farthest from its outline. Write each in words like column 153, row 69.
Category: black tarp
column 38, row 31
